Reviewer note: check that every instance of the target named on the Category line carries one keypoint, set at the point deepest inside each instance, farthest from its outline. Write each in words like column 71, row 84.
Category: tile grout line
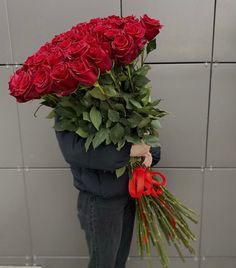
column 206, row 141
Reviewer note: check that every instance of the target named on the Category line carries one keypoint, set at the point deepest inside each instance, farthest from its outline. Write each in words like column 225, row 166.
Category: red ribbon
column 142, row 182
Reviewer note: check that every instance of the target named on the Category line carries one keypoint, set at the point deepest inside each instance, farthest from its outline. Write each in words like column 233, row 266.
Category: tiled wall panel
column 39, row 224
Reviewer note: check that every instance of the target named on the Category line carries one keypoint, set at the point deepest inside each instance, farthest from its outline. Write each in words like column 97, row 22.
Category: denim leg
column 127, row 234
column 102, row 221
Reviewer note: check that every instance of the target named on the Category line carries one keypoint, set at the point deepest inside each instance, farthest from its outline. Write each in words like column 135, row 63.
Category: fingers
column 139, row 149
column 147, row 159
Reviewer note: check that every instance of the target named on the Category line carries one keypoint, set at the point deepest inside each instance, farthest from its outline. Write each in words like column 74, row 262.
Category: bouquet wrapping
column 94, row 77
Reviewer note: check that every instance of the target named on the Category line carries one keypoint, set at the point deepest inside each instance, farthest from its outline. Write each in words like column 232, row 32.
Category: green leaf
column 108, row 138
column 144, row 122
column 151, row 46
column 156, row 124
column 88, row 141
column 51, row 114
column 121, row 143
column 155, row 102
column 135, row 103
column 105, row 79
column 117, row 133
column 104, row 106
column 67, row 112
column 133, row 139
column 109, row 90
column 99, row 137
column 108, row 123
column 140, row 80
column 86, row 116
column 120, row 107
column 113, row 115
column 95, row 117
column 124, row 121
column 120, row 171
column 153, row 141
column 96, row 93
column 64, row 124
column 82, row 133
column 143, row 70
column 134, row 119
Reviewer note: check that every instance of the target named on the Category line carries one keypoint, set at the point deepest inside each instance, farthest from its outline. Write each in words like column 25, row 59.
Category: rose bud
column 152, row 27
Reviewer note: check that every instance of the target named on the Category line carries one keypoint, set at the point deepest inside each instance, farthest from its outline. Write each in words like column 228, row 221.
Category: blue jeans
column 108, row 226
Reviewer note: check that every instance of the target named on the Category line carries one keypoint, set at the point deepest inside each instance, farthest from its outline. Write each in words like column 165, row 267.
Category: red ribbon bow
column 142, row 182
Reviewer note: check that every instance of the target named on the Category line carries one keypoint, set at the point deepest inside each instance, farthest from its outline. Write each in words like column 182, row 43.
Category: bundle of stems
column 161, row 218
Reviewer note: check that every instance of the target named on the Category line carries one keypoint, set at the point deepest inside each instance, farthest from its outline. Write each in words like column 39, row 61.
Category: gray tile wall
column 193, row 71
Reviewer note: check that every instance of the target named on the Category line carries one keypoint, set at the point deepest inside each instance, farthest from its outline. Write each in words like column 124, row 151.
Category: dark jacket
column 93, row 171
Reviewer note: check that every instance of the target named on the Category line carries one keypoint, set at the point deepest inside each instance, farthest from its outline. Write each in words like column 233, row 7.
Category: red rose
column 62, row 37
column 124, row 48
column 131, row 18
column 84, row 72
column 35, row 60
column 63, row 82
column 77, row 50
column 100, row 58
column 20, row 85
column 115, row 21
column 42, row 81
column 152, row 27
column 106, row 46
column 110, row 34
column 64, row 45
column 54, row 57
column 136, row 30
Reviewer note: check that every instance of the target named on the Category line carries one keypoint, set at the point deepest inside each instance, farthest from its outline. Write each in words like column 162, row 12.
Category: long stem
column 114, row 80
column 130, row 78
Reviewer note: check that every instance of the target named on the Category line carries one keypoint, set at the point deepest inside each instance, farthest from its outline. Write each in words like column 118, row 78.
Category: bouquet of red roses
column 94, row 78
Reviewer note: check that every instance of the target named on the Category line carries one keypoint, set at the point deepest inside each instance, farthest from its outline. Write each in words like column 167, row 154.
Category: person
column 106, row 211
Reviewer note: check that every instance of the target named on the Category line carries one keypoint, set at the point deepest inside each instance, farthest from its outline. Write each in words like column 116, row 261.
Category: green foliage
column 96, row 117
column 117, row 109
column 151, row 46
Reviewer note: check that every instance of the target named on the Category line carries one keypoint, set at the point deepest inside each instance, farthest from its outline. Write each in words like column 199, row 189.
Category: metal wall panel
column 52, row 204
column 187, row 33
column 229, row 262
column 222, row 124
column 32, row 23
column 186, row 184
column 184, row 90
column 131, row 263
column 219, row 218
column 5, row 55
column 14, row 226
column 10, row 140
column 16, row 261
column 225, row 37
column 40, row 146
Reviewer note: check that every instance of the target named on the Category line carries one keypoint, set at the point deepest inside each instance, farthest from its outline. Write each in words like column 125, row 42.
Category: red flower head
column 124, row 48
column 152, row 27
column 63, row 82
column 100, row 58
column 83, row 71
column 42, row 81
column 21, row 86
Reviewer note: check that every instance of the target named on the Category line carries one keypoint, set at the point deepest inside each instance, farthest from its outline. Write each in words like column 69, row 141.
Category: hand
column 139, row 149
column 147, row 159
